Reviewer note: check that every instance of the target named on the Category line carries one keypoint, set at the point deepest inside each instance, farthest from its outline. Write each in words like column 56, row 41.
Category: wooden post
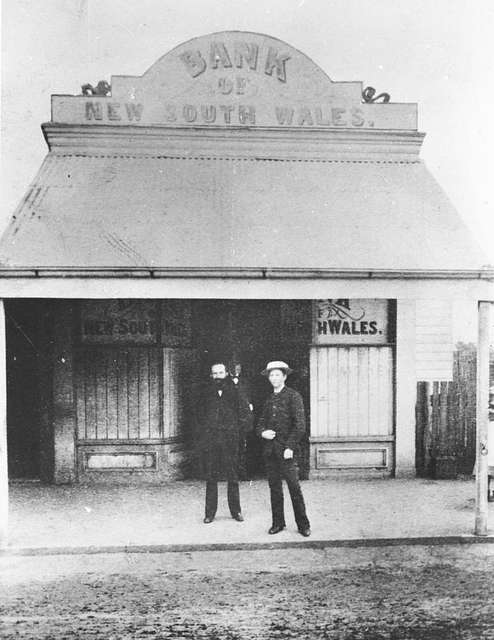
column 481, row 512
column 4, row 474
column 429, row 437
column 406, row 388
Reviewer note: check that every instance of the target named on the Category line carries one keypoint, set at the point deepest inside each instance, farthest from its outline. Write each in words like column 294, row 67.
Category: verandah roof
column 124, row 211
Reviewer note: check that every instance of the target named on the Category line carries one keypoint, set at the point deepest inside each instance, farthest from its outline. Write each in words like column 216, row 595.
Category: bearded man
column 222, row 414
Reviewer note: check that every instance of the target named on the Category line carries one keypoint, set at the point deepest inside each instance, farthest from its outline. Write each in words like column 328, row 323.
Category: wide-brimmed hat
column 277, row 364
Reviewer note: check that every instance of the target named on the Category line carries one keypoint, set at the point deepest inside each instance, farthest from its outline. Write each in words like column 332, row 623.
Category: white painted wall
column 434, row 339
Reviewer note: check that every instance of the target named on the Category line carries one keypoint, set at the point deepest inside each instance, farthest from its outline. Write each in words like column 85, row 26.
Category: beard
column 219, row 383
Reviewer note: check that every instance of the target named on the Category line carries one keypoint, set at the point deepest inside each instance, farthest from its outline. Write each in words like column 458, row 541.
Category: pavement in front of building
column 97, row 517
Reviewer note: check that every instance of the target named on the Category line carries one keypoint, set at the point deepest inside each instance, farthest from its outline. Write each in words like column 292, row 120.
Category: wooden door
column 352, row 408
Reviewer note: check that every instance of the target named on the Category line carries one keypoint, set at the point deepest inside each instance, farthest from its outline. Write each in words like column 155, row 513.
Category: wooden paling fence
column 445, row 420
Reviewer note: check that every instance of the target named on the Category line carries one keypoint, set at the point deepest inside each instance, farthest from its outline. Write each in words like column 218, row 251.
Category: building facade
column 231, row 203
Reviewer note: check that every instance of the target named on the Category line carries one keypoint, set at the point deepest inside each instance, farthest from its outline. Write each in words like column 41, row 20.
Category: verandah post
column 481, row 479
column 4, row 475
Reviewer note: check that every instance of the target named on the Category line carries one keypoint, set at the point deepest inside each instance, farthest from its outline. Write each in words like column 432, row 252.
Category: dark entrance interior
column 250, row 333
column 25, row 419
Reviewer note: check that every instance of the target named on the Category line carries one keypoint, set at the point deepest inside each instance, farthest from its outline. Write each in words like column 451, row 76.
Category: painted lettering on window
column 345, row 320
column 119, row 321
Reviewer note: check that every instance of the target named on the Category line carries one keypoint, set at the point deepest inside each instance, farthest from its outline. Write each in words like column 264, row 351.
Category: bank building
column 231, row 203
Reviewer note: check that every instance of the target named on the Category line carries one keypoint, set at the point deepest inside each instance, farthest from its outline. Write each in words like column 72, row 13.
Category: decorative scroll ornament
column 101, row 89
column 341, row 309
column 369, row 95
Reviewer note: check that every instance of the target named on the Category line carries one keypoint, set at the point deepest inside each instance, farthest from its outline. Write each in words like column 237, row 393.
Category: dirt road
column 405, row 593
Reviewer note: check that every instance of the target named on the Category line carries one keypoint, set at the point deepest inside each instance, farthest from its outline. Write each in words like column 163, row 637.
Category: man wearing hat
column 282, row 425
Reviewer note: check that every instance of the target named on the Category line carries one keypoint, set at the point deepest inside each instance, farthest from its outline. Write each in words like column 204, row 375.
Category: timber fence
column 445, row 420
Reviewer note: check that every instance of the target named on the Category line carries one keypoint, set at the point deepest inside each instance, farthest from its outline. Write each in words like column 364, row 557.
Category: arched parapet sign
column 234, row 79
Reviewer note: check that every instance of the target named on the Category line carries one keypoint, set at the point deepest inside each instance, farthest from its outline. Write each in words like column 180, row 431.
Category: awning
column 124, row 212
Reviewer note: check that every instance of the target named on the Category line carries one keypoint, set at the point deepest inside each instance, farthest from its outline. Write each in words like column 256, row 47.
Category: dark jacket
column 283, row 412
column 245, row 413
column 220, row 423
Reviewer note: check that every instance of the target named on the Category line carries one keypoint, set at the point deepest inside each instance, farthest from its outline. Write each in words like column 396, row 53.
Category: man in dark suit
column 222, row 414
column 282, row 426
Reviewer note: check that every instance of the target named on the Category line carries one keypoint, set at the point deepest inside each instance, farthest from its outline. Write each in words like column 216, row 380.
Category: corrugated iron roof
column 127, row 212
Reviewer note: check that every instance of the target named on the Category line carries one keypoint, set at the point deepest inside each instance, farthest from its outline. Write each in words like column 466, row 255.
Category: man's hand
column 288, row 454
column 268, row 434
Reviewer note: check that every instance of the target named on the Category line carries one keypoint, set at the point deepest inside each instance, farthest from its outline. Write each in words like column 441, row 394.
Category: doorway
column 24, row 389
column 250, row 333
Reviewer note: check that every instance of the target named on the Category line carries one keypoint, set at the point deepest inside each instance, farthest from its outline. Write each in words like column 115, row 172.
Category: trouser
column 278, row 468
column 233, row 493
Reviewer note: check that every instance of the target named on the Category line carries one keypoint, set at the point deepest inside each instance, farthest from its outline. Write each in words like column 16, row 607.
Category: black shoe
column 238, row 517
column 207, row 520
column 305, row 532
column 276, row 529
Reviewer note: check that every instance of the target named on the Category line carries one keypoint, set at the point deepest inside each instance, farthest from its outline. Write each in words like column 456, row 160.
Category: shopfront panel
column 131, row 376
column 352, row 393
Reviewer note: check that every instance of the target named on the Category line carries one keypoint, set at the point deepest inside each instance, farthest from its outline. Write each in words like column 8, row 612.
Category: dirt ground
column 405, row 593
